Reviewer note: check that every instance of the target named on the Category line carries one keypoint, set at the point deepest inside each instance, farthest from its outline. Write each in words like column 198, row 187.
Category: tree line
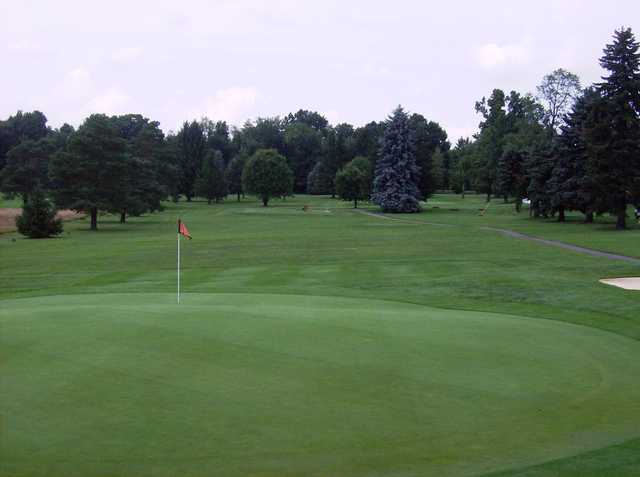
column 566, row 149
column 126, row 165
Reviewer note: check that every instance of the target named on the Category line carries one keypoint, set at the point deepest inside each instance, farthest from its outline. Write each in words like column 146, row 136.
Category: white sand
column 630, row 283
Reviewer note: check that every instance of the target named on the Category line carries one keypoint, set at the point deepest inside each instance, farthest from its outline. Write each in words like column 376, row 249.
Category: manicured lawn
column 322, row 343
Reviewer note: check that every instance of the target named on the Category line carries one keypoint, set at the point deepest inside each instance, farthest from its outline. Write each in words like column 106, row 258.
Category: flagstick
column 178, row 269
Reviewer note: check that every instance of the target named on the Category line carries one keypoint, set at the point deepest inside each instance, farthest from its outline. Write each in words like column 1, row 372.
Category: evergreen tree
column 612, row 130
column 267, row 175
column 233, row 175
column 395, row 187
column 210, row 182
column 38, row 219
column 569, row 184
column 539, row 166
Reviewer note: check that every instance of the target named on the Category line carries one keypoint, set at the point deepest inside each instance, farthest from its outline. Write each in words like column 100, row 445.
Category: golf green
column 268, row 384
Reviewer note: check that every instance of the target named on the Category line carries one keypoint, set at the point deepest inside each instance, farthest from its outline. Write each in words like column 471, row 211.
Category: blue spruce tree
column 395, row 186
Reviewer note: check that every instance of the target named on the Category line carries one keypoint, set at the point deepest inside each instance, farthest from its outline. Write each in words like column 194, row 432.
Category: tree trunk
column 188, row 198
column 489, row 196
column 518, row 204
column 208, row 201
column 506, row 198
column 265, row 201
column 94, row 218
column 588, row 218
column 561, row 217
column 355, row 203
column 123, row 216
column 621, row 222
column 238, row 196
column 463, row 192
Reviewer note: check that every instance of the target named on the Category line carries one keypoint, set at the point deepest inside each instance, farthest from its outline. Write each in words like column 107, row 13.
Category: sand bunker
column 629, row 283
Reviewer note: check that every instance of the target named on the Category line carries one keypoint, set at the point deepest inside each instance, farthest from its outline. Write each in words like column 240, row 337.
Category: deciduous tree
column 267, row 175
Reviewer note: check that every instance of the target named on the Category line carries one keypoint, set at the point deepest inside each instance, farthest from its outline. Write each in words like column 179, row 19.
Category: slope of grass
column 259, row 373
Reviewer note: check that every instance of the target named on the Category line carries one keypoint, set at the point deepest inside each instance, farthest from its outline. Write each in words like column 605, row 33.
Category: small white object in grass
column 629, row 283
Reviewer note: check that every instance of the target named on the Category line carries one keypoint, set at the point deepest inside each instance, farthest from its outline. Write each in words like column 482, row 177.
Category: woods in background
column 566, row 149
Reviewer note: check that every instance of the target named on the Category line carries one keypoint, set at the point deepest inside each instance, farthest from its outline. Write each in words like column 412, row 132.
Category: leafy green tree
column 462, row 161
column 38, row 218
column 312, row 119
column 267, row 175
column 612, row 130
column 233, row 175
column 263, row 133
column 210, row 182
column 524, row 133
column 337, row 149
column 144, row 183
column 219, row 139
column 192, row 147
column 20, row 127
column 353, row 181
column 395, row 187
column 27, row 168
column 558, row 91
column 367, row 141
column 429, row 137
column 87, row 176
column 303, row 148
column 490, row 142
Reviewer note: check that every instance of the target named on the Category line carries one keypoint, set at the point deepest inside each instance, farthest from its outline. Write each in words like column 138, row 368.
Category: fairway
column 329, row 342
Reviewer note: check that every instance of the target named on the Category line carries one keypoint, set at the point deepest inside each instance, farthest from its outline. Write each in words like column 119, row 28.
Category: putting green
column 239, row 384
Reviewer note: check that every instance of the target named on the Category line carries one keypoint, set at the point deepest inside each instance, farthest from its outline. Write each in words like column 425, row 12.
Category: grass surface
column 322, row 343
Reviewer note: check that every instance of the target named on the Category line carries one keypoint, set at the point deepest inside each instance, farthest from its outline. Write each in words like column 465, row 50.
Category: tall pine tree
column 612, row 130
column 569, row 185
column 395, row 186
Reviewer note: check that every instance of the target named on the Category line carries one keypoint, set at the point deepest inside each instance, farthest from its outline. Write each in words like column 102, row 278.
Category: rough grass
column 327, row 342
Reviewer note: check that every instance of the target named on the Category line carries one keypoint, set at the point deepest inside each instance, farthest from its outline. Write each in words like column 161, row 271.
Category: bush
column 38, row 219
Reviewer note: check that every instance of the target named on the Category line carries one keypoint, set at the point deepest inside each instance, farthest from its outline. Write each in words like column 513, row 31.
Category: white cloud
column 231, row 104
column 127, row 55
column 491, row 55
column 23, row 46
column 112, row 101
column 77, row 83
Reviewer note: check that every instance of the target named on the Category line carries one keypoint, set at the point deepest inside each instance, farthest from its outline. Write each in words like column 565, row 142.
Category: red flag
column 182, row 230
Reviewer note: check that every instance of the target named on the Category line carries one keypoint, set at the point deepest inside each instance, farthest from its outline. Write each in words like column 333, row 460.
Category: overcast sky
column 353, row 61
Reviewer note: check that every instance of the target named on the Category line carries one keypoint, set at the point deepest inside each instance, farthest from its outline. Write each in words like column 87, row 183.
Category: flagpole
column 178, row 261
